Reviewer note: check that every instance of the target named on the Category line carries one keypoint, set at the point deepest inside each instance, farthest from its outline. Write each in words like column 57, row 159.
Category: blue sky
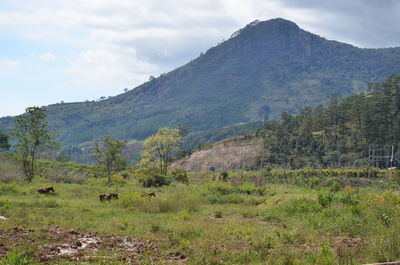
column 74, row 50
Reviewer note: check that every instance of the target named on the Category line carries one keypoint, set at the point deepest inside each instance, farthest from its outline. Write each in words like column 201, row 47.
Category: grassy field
column 205, row 222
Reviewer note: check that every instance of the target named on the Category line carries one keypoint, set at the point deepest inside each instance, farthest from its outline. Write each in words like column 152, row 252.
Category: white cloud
column 107, row 68
column 8, row 65
column 45, row 57
column 109, row 45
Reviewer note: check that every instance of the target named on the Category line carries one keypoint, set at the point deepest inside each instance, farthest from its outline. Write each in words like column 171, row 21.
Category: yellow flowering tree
column 159, row 150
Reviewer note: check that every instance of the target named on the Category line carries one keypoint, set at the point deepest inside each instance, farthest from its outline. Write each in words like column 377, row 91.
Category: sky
column 77, row 50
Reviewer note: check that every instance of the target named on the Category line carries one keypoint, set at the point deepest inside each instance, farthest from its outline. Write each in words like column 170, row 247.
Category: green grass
column 215, row 223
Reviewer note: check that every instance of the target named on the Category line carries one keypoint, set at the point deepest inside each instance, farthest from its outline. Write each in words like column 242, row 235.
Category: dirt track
column 56, row 243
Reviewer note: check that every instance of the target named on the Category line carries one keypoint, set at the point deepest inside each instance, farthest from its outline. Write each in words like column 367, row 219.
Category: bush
column 125, row 174
column 221, row 189
column 348, row 196
column 130, row 199
column 118, row 179
column 180, row 175
column 249, row 189
column 224, row 176
column 325, row 198
column 154, row 180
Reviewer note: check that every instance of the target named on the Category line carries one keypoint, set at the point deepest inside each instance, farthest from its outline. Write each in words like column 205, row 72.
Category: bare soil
column 53, row 244
column 233, row 153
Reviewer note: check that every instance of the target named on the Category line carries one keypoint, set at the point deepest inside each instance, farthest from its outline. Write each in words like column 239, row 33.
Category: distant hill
column 233, row 153
column 263, row 69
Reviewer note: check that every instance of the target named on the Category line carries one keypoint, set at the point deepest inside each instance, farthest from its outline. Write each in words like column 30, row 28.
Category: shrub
column 335, row 186
column 325, row 198
column 118, row 179
column 180, row 175
column 154, row 180
column 130, row 199
column 125, row 174
column 224, row 176
column 348, row 196
column 250, row 189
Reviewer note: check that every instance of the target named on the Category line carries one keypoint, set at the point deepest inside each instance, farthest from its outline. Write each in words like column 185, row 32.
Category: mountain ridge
column 265, row 68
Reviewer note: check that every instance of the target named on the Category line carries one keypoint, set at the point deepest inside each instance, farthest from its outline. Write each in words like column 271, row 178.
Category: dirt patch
column 233, row 153
column 345, row 245
column 348, row 242
column 56, row 243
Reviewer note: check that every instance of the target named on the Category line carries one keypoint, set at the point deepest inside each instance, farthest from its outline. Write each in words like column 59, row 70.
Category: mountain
column 263, row 69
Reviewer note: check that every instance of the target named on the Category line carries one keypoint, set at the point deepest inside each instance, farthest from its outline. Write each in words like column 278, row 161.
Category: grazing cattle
column 102, row 197
column 113, row 196
column 45, row 190
column 108, row 196
column 151, row 194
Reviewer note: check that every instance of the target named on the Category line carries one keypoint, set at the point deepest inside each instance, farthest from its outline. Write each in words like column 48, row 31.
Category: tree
column 4, row 145
column 264, row 112
column 184, row 130
column 108, row 155
column 159, row 150
column 33, row 137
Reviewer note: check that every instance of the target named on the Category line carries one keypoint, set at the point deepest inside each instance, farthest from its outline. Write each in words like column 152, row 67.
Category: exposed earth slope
column 234, row 153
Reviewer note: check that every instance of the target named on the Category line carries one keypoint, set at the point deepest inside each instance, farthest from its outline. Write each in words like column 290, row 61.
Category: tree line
column 33, row 140
column 337, row 133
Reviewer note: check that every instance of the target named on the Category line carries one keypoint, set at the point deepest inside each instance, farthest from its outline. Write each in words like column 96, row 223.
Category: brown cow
column 102, row 197
column 113, row 196
column 45, row 190
column 108, row 196
column 151, row 194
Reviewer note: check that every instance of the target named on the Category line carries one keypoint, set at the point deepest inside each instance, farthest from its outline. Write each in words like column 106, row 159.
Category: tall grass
column 215, row 222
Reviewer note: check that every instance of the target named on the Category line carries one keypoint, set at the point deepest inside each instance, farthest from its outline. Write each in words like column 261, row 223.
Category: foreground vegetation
column 293, row 217
column 112, row 213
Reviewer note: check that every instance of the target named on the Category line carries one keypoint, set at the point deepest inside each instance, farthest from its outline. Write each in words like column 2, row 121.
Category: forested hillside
column 338, row 133
column 263, row 69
